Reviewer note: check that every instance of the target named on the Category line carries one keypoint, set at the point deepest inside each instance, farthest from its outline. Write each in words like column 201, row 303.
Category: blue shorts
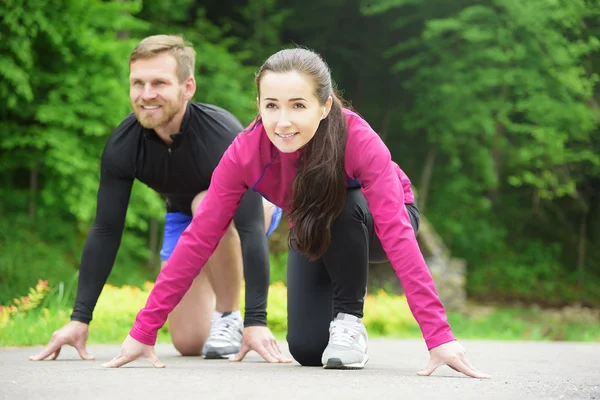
column 177, row 222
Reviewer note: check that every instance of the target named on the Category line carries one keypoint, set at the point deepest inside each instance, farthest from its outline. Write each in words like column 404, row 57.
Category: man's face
column 155, row 92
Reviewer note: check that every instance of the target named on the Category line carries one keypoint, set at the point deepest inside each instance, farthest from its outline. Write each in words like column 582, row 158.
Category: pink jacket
column 252, row 161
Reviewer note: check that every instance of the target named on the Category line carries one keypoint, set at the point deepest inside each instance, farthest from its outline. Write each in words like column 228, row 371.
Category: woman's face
column 290, row 111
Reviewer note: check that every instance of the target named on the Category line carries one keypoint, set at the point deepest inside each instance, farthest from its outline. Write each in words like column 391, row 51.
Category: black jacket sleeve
column 248, row 219
column 102, row 243
column 249, row 222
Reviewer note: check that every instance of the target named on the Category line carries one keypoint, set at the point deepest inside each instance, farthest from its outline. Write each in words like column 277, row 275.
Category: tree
column 501, row 91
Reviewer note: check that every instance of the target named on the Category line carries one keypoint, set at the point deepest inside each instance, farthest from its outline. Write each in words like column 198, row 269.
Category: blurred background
column 490, row 106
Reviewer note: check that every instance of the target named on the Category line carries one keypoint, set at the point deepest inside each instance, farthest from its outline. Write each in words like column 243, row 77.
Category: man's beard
column 167, row 111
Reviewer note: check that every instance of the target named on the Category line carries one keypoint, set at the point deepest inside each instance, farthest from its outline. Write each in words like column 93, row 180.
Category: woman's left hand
column 453, row 355
column 131, row 350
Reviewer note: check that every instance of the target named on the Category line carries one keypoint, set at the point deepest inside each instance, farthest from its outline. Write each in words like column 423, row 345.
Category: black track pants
column 319, row 290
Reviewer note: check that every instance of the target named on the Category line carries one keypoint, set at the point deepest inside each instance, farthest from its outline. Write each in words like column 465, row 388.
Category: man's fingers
column 265, row 354
column 50, row 349
column 270, row 352
column 243, row 351
column 283, row 359
column 83, row 353
column 276, row 352
column 276, row 346
column 432, row 366
column 55, row 355
column 273, row 348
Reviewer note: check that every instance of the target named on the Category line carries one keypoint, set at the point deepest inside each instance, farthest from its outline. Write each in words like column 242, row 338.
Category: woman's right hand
column 453, row 355
column 131, row 350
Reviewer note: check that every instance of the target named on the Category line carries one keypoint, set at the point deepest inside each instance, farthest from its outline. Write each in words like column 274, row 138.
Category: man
column 173, row 145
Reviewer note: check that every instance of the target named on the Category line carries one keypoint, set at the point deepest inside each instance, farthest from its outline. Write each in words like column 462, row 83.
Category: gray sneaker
column 348, row 343
column 225, row 339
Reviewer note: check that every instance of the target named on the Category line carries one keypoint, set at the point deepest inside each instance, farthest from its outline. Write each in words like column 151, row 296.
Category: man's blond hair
column 174, row 44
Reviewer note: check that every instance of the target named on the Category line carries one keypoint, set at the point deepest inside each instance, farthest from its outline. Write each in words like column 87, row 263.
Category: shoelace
column 343, row 332
column 222, row 328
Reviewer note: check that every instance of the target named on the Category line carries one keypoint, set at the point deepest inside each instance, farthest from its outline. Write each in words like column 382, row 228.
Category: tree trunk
column 426, row 178
column 497, row 162
column 595, row 108
column 385, row 124
column 581, row 248
column 497, row 149
column 33, row 189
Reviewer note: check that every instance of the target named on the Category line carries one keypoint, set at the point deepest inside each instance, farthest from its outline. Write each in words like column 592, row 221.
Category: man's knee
column 232, row 237
column 231, row 233
column 308, row 353
column 197, row 200
column 188, row 347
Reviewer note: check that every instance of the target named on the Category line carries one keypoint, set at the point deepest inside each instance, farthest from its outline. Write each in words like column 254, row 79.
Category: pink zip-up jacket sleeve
column 369, row 161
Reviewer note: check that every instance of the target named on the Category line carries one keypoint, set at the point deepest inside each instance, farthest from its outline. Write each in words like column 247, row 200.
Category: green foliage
column 278, row 267
column 221, row 76
column 532, row 276
column 503, row 90
column 28, row 254
column 259, row 23
column 66, row 89
column 520, row 323
column 492, row 76
column 74, row 89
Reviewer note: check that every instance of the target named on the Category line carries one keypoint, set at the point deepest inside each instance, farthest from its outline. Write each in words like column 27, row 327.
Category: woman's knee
column 307, row 353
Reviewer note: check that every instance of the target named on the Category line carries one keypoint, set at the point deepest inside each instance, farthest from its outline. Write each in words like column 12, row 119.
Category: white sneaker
column 348, row 342
column 225, row 339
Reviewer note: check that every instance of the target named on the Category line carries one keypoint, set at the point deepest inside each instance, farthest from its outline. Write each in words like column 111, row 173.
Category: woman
column 348, row 203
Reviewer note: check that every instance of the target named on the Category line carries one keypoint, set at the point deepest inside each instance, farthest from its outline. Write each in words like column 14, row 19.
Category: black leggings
column 337, row 282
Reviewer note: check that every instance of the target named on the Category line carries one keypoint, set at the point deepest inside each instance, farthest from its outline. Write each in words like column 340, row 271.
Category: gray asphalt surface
column 520, row 370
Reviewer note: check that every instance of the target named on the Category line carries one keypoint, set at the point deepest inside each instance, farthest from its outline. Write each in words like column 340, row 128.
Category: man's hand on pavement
column 74, row 334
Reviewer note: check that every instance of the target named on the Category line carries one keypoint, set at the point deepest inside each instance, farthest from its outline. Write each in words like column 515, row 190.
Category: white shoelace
column 222, row 328
column 344, row 333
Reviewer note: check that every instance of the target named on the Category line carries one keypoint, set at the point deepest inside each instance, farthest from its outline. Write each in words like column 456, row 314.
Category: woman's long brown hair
column 319, row 189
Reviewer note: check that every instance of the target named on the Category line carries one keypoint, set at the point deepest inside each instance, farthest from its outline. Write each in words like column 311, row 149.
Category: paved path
column 520, row 370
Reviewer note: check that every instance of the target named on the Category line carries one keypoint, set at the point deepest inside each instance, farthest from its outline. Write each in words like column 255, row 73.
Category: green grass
column 519, row 323
column 32, row 322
